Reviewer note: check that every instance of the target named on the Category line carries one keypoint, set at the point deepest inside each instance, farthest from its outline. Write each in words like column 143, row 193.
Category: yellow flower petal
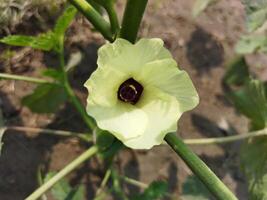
column 130, row 58
column 166, row 92
column 163, row 112
column 103, row 85
column 165, row 75
column 123, row 120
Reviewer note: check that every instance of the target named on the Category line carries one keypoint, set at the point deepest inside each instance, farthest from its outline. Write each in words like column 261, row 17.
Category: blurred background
column 202, row 46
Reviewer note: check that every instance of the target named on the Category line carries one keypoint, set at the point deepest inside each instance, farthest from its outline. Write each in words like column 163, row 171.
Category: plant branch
column 104, row 182
column 202, row 141
column 113, row 18
column 74, row 99
column 65, row 171
column 94, row 17
column 80, row 108
column 220, row 140
column 132, row 18
column 202, row 171
column 134, row 182
column 24, row 78
column 82, row 136
column 117, row 185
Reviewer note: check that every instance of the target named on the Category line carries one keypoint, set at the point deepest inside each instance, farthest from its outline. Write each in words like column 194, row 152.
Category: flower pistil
column 130, row 91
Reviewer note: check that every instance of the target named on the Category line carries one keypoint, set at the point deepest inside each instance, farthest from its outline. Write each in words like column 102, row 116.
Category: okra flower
column 137, row 93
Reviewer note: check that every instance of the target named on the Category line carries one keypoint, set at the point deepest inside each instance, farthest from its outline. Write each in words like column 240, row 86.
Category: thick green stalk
column 113, row 18
column 200, row 169
column 23, row 78
column 65, row 171
column 132, row 18
column 94, row 17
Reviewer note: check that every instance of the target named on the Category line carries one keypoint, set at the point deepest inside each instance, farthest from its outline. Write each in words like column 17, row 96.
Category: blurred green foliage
column 193, row 188
column 156, row 190
column 249, row 97
column 62, row 190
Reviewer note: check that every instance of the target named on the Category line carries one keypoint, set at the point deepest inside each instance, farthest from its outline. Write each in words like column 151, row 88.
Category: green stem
column 113, row 18
column 80, row 108
column 23, row 78
column 88, row 138
column 117, row 185
column 132, row 18
column 104, row 182
column 40, row 181
column 73, row 98
column 212, row 182
column 94, row 17
column 83, row 136
column 221, row 140
column 134, row 182
column 65, row 171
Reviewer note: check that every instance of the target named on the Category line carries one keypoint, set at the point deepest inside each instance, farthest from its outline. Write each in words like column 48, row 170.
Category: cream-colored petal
column 165, row 75
column 130, row 58
column 111, row 52
column 122, row 120
column 148, row 50
column 103, row 86
column 163, row 111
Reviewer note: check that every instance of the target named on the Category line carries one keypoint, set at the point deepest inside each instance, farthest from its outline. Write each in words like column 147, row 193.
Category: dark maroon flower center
column 130, row 91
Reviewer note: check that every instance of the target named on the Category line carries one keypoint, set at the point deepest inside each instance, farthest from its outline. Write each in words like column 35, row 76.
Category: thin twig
column 134, row 182
column 82, row 136
column 88, row 138
column 103, row 183
column 61, row 174
column 24, row 78
column 220, row 140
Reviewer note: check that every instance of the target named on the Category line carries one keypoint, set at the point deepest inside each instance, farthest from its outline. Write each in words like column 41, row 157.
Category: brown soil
column 201, row 47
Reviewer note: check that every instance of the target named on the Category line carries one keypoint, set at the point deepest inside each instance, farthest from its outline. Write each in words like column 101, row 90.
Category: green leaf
column 251, row 43
column 104, row 139
column 200, row 5
column 64, row 21
column 193, row 188
column 256, row 19
column 48, row 41
column 237, row 72
column 112, row 151
column 254, row 164
column 251, row 101
column 46, row 98
column 63, row 191
column 256, row 13
column 156, row 190
column 44, row 42
column 54, row 74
